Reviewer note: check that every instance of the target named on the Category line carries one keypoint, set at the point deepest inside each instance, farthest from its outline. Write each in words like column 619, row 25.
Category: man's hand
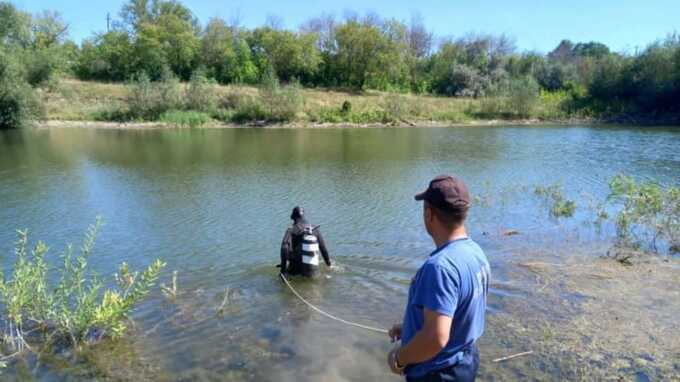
column 428, row 341
column 392, row 362
column 395, row 332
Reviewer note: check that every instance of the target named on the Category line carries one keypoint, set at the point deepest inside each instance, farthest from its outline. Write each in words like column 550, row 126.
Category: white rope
column 332, row 317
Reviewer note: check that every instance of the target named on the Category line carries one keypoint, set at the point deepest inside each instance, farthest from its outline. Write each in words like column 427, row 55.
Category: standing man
column 301, row 247
column 446, row 301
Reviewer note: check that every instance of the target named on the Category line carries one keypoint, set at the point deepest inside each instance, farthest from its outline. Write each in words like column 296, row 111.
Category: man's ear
column 428, row 213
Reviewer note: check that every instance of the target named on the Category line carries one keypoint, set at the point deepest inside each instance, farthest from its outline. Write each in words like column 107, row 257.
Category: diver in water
column 302, row 246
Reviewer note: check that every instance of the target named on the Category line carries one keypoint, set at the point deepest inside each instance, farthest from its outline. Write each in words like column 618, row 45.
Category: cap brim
column 421, row 196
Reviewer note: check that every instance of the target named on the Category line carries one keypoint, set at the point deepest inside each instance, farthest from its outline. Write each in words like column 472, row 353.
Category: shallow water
column 214, row 205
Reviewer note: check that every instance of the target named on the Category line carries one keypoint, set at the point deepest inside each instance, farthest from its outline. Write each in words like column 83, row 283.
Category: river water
column 214, row 204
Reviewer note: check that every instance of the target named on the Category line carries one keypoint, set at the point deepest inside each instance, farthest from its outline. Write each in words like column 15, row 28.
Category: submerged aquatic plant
column 170, row 291
column 560, row 206
column 647, row 211
column 75, row 309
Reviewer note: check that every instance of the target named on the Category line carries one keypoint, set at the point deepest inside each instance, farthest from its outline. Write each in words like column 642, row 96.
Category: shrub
column 273, row 103
column 18, row 105
column 116, row 112
column 490, row 107
column 554, row 105
column 282, row 103
column 18, row 101
column 200, row 94
column 39, row 66
column 560, row 206
column 148, row 100
column 334, row 115
column 328, row 115
column 459, row 80
column 522, row 96
column 646, row 209
column 368, row 116
column 249, row 108
column 72, row 306
column 241, row 107
column 396, row 107
column 346, row 107
column 184, row 118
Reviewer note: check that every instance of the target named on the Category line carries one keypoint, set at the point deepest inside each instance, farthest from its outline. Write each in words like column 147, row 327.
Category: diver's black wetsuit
column 291, row 254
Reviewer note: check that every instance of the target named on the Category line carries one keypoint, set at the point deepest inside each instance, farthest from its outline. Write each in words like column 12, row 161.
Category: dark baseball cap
column 446, row 193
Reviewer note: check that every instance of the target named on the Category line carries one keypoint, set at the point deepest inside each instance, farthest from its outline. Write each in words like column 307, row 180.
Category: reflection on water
column 214, row 204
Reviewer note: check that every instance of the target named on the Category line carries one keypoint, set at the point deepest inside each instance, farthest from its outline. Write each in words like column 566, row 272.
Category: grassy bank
column 194, row 104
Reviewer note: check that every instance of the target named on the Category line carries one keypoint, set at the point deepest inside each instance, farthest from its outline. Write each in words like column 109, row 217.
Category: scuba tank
column 310, row 247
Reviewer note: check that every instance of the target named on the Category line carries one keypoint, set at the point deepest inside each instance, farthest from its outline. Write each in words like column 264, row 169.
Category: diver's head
column 297, row 214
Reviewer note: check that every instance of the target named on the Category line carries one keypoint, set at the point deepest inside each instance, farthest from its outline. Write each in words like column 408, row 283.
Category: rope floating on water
column 332, row 317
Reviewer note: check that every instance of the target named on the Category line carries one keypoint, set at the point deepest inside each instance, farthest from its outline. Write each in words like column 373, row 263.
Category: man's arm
column 436, row 293
column 322, row 248
column 427, row 342
column 286, row 245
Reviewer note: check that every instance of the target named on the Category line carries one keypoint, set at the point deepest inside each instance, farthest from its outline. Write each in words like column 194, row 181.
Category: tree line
column 157, row 37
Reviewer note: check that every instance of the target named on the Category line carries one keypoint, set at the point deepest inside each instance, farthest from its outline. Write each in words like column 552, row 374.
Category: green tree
column 164, row 33
column 605, row 82
column 522, row 95
column 291, row 55
column 18, row 101
column 357, row 57
column 564, row 51
column 226, row 55
column 136, row 12
column 590, row 49
column 180, row 43
column 654, row 75
column 420, row 41
column 15, row 26
column 36, row 41
column 552, row 75
column 394, row 58
column 148, row 54
column 48, row 30
column 107, row 57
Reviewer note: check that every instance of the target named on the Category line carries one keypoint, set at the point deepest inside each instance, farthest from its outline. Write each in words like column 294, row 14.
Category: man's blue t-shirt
column 454, row 282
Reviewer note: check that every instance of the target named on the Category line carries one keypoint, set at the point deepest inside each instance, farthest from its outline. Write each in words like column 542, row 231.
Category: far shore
column 55, row 124
column 295, row 125
column 83, row 104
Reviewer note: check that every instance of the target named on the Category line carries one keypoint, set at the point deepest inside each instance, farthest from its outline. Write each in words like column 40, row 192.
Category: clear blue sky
column 536, row 25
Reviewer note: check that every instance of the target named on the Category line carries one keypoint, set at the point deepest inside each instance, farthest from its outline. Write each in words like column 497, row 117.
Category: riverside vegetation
column 646, row 215
column 42, row 311
column 373, row 70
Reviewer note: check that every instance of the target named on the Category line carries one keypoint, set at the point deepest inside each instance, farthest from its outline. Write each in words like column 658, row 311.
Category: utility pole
column 108, row 22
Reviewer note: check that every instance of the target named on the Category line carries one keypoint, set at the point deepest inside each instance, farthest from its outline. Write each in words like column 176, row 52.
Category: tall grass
column 183, row 118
